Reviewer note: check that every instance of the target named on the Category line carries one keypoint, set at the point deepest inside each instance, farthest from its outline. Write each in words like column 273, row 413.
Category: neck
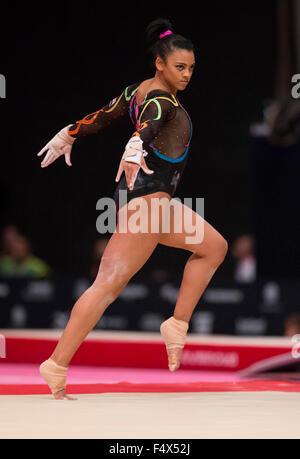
column 163, row 84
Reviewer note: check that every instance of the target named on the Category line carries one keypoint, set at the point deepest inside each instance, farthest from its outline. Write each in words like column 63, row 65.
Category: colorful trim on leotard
column 89, row 119
column 136, row 119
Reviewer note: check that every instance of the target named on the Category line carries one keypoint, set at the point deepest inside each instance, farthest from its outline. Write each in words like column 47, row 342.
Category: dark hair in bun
column 162, row 47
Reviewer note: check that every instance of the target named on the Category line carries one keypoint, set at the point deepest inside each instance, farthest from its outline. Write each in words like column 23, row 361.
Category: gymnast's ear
column 159, row 63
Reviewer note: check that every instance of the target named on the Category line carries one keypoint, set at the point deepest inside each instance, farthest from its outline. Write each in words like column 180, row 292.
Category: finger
column 46, row 147
column 68, row 157
column 51, row 156
column 46, row 159
column 128, row 179
column 46, row 163
column 119, row 172
column 131, row 174
column 134, row 179
column 147, row 170
column 49, row 159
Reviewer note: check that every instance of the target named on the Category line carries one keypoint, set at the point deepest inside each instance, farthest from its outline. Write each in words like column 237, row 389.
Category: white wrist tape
column 134, row 151
column 64, row 135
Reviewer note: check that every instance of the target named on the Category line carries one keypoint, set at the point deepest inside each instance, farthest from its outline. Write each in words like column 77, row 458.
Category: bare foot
column 61, row 395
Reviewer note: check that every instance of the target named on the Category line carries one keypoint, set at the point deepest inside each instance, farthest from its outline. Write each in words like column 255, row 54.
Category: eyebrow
column 184, row 63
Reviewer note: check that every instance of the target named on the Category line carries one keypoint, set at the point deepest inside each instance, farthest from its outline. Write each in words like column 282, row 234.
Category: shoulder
column 162, row 101
column 130, row 91
column 160, row 94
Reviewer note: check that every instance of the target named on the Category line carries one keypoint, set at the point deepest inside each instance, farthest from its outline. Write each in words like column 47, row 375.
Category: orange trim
column 143, row 125
column 85, row 121
column 95, row 114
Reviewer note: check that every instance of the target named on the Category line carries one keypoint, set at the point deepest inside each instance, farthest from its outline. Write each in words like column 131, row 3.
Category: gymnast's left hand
column 131, row 162
column 131, row 171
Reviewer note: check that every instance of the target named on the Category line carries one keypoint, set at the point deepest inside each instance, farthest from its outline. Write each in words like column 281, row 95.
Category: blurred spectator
column 292, row 325
column 264, row 127
column 243, row 252
column 281, row 122
column 17, row 259
column 286, row 126
column 9, row 235
column 98, row 250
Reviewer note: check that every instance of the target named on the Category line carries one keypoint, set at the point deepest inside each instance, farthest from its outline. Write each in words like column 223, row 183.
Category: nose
column 187, row 74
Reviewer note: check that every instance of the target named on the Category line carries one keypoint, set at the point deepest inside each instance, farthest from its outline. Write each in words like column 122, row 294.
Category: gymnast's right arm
column 61, row 143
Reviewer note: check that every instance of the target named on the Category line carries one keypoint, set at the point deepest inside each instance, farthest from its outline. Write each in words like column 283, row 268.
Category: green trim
column 129, row 97
column 158, row 106
column 158, row 109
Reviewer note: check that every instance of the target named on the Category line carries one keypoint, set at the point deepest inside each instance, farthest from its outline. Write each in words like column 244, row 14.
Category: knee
column 221, row 249
column 107, row 291
column 217, row 252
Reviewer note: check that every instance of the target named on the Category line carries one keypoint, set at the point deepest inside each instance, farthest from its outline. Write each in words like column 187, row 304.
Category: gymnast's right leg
column 124, row 255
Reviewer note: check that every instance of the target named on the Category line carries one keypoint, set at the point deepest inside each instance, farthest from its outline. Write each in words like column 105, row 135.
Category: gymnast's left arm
column 153, row 116
column 62, row 143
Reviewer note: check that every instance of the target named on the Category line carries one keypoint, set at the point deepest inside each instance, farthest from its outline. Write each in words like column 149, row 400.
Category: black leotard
column 165, row 129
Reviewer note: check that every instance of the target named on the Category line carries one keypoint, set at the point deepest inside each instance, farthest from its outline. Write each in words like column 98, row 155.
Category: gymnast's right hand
column 61, row 144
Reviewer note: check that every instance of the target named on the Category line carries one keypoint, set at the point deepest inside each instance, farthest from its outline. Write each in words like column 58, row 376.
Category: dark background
column 63, row 61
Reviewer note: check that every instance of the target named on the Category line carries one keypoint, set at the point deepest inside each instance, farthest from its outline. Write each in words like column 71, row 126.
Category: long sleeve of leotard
column 155, row 113
column 106, row 116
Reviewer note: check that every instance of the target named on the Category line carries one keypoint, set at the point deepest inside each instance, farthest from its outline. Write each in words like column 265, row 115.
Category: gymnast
column 153, row 161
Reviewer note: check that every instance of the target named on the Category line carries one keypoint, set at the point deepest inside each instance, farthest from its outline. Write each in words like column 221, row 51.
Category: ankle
column 182, row 317
column 59, row 361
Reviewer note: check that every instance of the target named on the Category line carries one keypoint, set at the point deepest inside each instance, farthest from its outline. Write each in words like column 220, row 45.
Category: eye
column 180, row 67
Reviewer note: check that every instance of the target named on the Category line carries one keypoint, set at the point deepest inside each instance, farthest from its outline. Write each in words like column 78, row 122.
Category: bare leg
column 200, row 268
column 124, row 255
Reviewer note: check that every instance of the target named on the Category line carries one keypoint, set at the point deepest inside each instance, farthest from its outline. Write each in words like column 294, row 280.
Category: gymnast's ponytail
column 161, row 39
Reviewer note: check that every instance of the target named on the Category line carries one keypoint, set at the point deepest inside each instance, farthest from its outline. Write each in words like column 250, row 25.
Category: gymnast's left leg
column 208, row 252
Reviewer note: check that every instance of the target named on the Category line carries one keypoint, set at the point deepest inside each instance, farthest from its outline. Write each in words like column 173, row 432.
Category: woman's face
column 177, row 70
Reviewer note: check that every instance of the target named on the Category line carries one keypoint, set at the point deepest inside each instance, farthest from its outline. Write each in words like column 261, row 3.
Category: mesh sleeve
column 155, row 113
column 115, row 110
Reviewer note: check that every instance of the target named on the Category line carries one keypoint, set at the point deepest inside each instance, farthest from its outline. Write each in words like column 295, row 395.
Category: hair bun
column 155, row 29
column 161, row 40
